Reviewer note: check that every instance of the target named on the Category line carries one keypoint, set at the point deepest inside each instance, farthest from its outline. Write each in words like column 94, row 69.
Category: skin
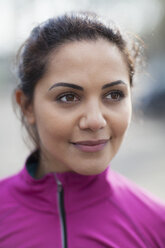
column 95, row 113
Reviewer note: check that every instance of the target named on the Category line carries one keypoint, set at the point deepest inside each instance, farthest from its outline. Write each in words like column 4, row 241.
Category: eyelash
column 58, row 99
column 119, row 92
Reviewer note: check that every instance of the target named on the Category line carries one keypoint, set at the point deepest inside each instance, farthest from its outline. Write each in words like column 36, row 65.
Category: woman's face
column 82, row 107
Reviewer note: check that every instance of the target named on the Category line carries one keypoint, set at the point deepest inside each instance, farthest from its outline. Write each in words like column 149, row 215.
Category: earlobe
column 26, row 108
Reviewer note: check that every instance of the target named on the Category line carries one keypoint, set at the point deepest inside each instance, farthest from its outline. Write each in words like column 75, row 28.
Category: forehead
column 78, row 50
column 99, row 57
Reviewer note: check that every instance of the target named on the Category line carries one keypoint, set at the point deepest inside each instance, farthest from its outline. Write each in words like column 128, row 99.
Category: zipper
column 60, row 192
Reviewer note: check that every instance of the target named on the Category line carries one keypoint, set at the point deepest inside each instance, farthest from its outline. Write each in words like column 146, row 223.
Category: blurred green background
column 142, row 155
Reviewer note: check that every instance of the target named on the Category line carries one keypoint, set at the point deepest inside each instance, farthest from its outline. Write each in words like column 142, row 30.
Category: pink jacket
column 75, row 211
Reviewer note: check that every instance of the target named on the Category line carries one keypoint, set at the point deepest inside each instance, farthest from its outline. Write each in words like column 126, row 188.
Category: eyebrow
column 74, row 86
column 113, row 83
column 77, row 87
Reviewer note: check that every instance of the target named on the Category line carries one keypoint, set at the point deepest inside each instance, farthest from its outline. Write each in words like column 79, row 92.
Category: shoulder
column 8, row 202
column 140, row 206
column 125, row 187
column 5, row 185
column 129, row 192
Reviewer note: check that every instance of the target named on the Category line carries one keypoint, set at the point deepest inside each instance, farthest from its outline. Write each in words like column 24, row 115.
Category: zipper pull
column 59, row 184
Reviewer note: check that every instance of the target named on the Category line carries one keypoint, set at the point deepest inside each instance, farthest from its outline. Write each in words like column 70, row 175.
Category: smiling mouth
column 91, row 145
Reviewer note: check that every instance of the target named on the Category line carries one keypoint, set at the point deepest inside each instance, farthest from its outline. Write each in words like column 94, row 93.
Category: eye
column 115, row 95
column 68, row 98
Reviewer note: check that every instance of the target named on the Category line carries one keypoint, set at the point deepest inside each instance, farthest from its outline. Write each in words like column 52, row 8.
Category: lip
column 91, row 145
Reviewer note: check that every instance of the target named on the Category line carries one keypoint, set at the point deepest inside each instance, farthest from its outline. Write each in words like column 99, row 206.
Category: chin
column 92, row 170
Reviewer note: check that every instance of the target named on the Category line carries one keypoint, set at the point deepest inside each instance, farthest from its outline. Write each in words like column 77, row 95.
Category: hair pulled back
column 33, row 56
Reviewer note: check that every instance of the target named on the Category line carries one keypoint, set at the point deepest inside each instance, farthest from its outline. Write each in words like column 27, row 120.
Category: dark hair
column 34, row 54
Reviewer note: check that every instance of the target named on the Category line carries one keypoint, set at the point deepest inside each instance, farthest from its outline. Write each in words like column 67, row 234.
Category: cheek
column 52, row 125
column 121, row 120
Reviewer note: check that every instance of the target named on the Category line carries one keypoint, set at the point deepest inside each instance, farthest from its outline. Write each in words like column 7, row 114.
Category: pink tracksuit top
column 76, row 211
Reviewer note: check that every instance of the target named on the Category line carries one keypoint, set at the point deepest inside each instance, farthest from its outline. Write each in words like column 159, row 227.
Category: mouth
column 91, row 145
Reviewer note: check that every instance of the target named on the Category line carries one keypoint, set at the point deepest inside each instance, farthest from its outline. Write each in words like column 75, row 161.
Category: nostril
column 93, row 123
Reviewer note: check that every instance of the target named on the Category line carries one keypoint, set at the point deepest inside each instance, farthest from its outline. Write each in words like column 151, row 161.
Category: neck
column 47, row 165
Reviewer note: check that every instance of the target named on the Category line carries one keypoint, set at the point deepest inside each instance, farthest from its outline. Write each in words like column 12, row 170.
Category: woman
column 76, row 74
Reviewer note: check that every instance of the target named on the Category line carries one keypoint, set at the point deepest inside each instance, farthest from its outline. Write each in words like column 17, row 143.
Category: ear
column 26, row 108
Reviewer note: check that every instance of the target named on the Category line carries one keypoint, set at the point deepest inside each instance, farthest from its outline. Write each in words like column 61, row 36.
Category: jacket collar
column 41, row 194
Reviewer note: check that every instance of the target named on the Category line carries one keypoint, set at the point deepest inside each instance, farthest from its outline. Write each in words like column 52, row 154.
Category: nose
column 93, row 118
